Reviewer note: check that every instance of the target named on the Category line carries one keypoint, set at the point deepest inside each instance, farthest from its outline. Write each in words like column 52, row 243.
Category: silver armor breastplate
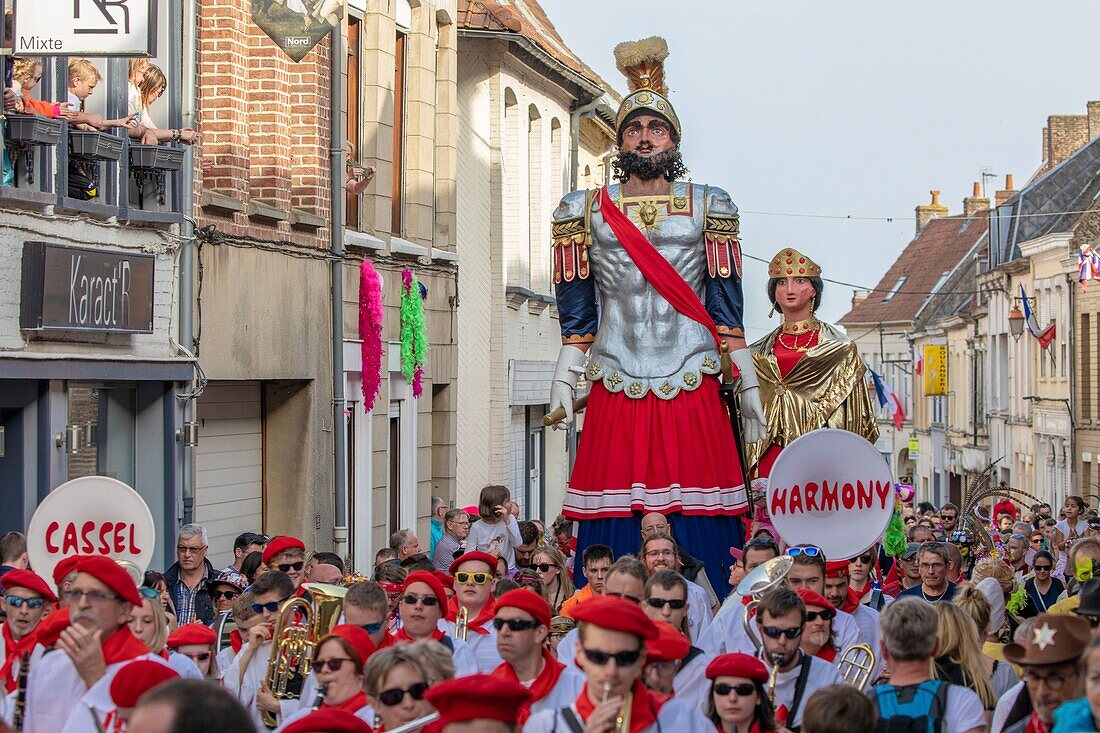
column 643, row 343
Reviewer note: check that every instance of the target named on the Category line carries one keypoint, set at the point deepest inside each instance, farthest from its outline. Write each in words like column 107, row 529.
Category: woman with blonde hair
column 549, row 563
column 150, row 625
column 1015, row 597
column 972, row 602
column 395, row 680
column 959, row 657
column 150, row 83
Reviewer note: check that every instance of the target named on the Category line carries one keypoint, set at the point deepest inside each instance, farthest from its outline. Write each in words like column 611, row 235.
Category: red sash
column 476, row 625
column 643, row 710
column 540, row 688
column 14, row 651
column 349, row 706
column 123, row 646
column 664, row 278
column 403, row 635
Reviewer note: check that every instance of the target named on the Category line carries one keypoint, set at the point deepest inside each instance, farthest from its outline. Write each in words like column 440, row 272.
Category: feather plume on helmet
column 643, row 64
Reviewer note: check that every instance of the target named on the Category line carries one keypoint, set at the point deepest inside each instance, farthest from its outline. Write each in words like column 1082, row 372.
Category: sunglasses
column 395, row 695
column 31, row 603
column 774, row 632
column 625, row 597
column 1044, row 568
column 824, row 615
column 475, row 578
column 866, row 559
column 543, row 567
column 427, row 601
column 514, row 624
column 743, row 690
column 1036, row 540
column 808, row 551
column 200, row 657
column 272, row 607
column 228, row 595
column 334, row 665
column 286, row 567
column 622, row 659
column 674, row 603
column 150, row 593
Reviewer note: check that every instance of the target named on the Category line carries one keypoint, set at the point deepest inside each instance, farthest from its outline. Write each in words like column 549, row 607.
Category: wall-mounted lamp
column 1016, row 320
column 189, row 434
column 71, row 439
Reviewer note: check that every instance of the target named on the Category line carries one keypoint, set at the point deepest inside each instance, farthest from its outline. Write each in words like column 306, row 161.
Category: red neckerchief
column 1035, row 725
column 235, row 641
column 123, row 646
column 403, row 635
column 827, row 652
column 164, row 654
column 15, row 651
column 476, row 625
column 643, row 710
column 854, row 599
column 540, row 688
column 349, row 706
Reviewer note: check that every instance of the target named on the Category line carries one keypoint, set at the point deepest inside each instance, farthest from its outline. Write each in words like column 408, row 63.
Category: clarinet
column 21, row 693
column 322, row 690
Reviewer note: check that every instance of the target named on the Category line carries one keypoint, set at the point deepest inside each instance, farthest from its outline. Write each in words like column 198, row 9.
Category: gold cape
column 827, row 388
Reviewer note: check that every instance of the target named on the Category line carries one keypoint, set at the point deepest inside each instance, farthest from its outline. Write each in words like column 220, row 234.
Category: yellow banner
column 935, row 370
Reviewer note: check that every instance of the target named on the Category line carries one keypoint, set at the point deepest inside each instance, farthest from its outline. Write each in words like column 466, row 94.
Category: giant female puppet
column 647, row 274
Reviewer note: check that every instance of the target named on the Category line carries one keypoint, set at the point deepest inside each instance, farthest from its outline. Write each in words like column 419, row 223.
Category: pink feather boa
column 370, row 331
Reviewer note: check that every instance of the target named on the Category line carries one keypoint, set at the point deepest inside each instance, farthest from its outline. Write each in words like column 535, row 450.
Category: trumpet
column 462, row 623
column 622, row 720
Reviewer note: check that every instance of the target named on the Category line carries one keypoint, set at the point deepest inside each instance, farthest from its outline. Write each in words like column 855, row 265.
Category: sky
column 847, row 108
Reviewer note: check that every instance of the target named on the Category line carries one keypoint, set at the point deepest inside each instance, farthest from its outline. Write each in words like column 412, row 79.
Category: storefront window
column 104, row 415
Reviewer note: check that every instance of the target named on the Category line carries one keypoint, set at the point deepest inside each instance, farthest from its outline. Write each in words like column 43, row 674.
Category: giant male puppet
column 648, row 282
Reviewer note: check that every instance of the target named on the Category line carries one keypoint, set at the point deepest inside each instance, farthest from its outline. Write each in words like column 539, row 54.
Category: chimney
column 1094, row 120
column 858, row 296
column 928, row 212
column 1065, row 135
column 975, row 202
column 1001, row 196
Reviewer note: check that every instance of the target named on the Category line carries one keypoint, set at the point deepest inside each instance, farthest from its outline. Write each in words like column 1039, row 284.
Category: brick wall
column 1064, row 135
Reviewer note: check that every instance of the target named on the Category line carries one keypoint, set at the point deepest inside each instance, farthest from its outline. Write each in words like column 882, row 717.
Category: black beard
column 668, row 164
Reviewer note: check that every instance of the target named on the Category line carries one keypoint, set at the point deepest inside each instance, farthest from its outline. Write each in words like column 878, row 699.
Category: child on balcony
column 83, row 78
column 150, row 86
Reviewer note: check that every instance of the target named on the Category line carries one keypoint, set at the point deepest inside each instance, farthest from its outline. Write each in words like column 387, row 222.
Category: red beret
column 737, row 665
column 112, row 575
column 63, row 568
column 609, row 612
column 813, row 598
column 485, row 557
column 446, row 580
column 26, row 579
column 525, row 600
column 423, row 576
column 356, row 636
column 281, row 544
column 328, row 721
column 836, row 569
column 669, row 645
column 195, row 633
column 137, row 678
column 49, row 629
column 478, row 697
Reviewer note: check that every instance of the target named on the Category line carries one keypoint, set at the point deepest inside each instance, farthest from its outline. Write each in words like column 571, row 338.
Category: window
column 397, row 194
column 352, row 103
column 1085, row 394
column 105, row 418
column 894, row 290
column 941, row 281
column 536, row 264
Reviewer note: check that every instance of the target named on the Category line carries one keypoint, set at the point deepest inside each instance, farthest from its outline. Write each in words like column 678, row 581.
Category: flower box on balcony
column 94, row 145
column 33, row 130
column 156, row 157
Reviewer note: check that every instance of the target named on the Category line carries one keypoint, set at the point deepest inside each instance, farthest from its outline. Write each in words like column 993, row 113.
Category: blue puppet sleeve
column 574, row 287
column 724, row 297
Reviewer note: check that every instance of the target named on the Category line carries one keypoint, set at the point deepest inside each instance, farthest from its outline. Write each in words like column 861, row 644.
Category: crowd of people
column 482, row 629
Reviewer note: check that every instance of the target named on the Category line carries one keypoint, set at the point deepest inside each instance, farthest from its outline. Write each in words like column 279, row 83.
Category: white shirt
column 699, row 615
column 496, row 536
column 252, row 680
column 483, row 646
column 866, row 619
column 691, row 684
column 821, row 674
column 674, row 717
column 569, row 685
column 1004, row 707
column 1063, row 526
column 185, row 666
column 36, row 654
column 568, row 649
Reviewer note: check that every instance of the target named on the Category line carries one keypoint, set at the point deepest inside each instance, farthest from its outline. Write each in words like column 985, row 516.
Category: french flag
column 1044, row 336
column 888, row 398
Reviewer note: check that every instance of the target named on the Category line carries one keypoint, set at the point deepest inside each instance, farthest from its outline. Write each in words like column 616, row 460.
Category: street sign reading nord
column 81, row 289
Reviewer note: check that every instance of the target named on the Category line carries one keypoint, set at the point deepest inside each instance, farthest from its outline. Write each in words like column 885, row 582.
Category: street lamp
column 1016, row 322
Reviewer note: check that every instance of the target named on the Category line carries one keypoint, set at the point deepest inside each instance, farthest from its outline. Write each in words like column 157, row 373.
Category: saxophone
column 622, row 720
column 462, row 622
column 21, row 694
column 776, row 658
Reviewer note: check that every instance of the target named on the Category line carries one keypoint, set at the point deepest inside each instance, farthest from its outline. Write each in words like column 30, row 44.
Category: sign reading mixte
column 85, row 28
column 79, row 289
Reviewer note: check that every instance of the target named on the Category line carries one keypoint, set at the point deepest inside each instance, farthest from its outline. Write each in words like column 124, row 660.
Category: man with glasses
column 422, row 603
column 666, row 600
column 64, row 684
column 625, row 580
column 611, row 653
column 225, row 588
column 692, row 569
column 1049, row 661
column 658, row 552
column 187, row 578
column 287, row 555
column 780, row 622
column 597, row 562
column 474, row 583
column 25, row 601
column 367, row 606
column 269, row 592
column 522, row 623
column 456, row 527
column 949, row 519
column 934, row 586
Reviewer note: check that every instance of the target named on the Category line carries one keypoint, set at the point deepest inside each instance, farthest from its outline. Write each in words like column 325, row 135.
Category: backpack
column 911, row 709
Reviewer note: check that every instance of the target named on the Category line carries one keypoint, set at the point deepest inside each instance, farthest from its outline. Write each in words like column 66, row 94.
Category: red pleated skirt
column 655, row 455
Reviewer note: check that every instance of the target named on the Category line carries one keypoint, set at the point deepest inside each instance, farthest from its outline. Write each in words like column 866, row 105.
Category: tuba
column 762, row 579
column 856, row 665
column 462, row 622
column 299, row 626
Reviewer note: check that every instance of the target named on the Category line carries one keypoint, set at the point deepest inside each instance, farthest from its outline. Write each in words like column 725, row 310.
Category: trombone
column 856, row 665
